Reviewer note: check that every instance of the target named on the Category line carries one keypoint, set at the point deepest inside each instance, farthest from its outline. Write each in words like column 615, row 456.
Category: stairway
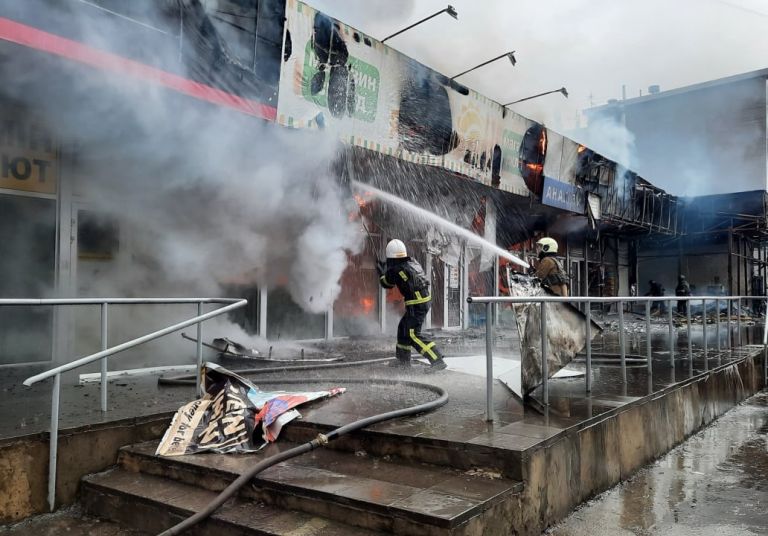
column 326, row 492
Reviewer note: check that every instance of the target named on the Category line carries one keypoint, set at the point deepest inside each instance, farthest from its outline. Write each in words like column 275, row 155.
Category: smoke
column 205, row 197
column 607, row 136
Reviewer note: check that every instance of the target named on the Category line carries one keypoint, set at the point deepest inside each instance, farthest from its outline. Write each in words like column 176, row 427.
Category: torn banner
column 566, row 333
column 227, row 417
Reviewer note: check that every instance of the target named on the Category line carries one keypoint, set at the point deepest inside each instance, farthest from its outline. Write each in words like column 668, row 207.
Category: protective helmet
column 548, row 245
column 396, row 249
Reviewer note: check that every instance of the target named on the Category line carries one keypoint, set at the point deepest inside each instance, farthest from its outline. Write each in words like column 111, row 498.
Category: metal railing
column 106, row 352
column 542, row 301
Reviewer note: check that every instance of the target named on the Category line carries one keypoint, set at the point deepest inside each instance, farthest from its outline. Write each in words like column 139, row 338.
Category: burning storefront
column 141, row 158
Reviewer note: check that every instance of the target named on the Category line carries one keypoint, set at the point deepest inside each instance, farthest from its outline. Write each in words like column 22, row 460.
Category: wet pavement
column 27, row 410
column 516, row 426
column 714, row 483
column 68, row 522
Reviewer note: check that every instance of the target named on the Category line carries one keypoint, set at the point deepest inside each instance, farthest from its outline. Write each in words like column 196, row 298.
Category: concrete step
column 379, row 494
column 405, row 444
column 152, row 504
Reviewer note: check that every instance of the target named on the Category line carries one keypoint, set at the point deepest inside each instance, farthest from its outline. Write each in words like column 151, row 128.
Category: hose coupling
column 322, row 439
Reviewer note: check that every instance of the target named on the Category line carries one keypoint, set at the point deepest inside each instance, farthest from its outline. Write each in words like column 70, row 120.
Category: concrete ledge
column 24, row 462
column 586, row 459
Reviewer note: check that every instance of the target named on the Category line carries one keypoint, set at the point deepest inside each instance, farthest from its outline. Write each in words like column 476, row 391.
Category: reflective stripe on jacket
column 409, row 278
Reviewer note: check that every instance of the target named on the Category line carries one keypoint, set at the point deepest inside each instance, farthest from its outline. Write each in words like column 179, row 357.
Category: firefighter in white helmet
column 549, row 270
column 408, row 276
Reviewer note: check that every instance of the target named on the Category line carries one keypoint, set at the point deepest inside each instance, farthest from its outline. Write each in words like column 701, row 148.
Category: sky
column 592, row 47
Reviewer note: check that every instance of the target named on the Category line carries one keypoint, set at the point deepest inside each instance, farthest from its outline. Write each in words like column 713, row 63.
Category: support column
column 428, row 271
column 263, row 312
column 730, row 262
column 464, row 287
column 329, row 323
column 496, row 289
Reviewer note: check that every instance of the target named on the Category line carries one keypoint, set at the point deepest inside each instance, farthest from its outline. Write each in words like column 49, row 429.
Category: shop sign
column 28, row 159
column 562, row 195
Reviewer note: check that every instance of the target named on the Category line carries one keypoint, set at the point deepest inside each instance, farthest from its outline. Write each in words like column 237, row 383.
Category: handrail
column 605, row 299
column 232, row 303
column 490, row 301
column 114, row 301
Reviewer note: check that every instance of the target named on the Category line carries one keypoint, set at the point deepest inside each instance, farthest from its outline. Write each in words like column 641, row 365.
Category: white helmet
column 548, row 245
column 396, row 249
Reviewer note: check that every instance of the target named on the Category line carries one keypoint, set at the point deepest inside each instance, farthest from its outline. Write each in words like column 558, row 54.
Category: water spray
column 441, row 222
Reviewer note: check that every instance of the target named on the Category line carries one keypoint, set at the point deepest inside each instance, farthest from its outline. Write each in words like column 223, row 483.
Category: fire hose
column 319, row 441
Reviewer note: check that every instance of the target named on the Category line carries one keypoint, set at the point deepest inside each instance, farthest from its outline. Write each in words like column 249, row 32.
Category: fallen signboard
column 228, row 415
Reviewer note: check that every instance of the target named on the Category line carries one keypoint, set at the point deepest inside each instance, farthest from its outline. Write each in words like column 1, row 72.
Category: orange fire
column 367, row 303
column 534, row 167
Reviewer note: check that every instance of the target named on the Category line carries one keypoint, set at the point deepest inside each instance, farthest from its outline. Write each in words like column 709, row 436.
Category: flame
column 361, row 201
column 367, row 303
column 534, row 167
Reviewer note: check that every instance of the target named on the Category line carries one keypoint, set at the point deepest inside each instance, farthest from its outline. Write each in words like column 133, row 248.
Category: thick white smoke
column 206, row 197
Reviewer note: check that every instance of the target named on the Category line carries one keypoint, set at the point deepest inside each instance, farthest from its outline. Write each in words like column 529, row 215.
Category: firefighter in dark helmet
column 408, row 276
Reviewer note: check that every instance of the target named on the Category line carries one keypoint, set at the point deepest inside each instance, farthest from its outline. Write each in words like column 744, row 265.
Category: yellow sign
column 28, row 158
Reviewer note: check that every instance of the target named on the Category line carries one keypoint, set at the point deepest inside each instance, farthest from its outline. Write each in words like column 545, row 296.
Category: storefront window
column 27, row 270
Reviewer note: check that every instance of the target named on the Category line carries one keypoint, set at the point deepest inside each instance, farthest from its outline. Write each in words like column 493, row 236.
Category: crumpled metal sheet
column 566, row 333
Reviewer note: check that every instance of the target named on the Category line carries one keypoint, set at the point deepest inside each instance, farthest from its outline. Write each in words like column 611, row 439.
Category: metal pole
column 544, row 351
column 589, row 346
column 671, row 327
column 622, row 344
column 688, row 319
column 53, row 442
column 199, row 348
column 648, row 337
column 765, row 346
column 489, row 362
column 738, row 321
column 728, row 324
column 704, row 332
column 104, row 324
column 717, row 322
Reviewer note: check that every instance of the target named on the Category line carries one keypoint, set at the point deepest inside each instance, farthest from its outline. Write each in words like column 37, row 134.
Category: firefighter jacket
column 409, row 278
column 552, row 275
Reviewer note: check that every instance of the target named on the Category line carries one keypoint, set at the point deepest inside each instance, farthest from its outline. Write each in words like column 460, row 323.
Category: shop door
column 27, row 270
column 452, row 293
column 574, row 276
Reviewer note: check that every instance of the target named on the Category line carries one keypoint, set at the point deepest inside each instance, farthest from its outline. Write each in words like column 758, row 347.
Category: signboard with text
column 28, row 158
column 562, row 195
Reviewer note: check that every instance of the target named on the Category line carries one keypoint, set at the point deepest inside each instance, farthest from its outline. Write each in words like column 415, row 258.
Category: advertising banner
column 371, row 96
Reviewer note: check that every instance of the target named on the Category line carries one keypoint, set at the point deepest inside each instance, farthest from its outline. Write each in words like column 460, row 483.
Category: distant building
column 707, row 144
column 703, row 139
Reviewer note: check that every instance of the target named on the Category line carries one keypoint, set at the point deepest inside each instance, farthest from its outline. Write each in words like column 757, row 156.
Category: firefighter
column 549, row 271
column 407, row 275
column 682, row 289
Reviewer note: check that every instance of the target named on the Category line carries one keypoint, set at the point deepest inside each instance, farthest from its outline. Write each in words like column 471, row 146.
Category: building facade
column 128, row 129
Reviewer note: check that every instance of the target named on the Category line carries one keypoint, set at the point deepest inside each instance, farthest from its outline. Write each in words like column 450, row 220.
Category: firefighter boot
column 403, row 356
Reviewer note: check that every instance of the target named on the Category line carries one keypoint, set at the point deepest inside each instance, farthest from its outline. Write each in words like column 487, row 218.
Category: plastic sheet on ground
column 233, row 415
